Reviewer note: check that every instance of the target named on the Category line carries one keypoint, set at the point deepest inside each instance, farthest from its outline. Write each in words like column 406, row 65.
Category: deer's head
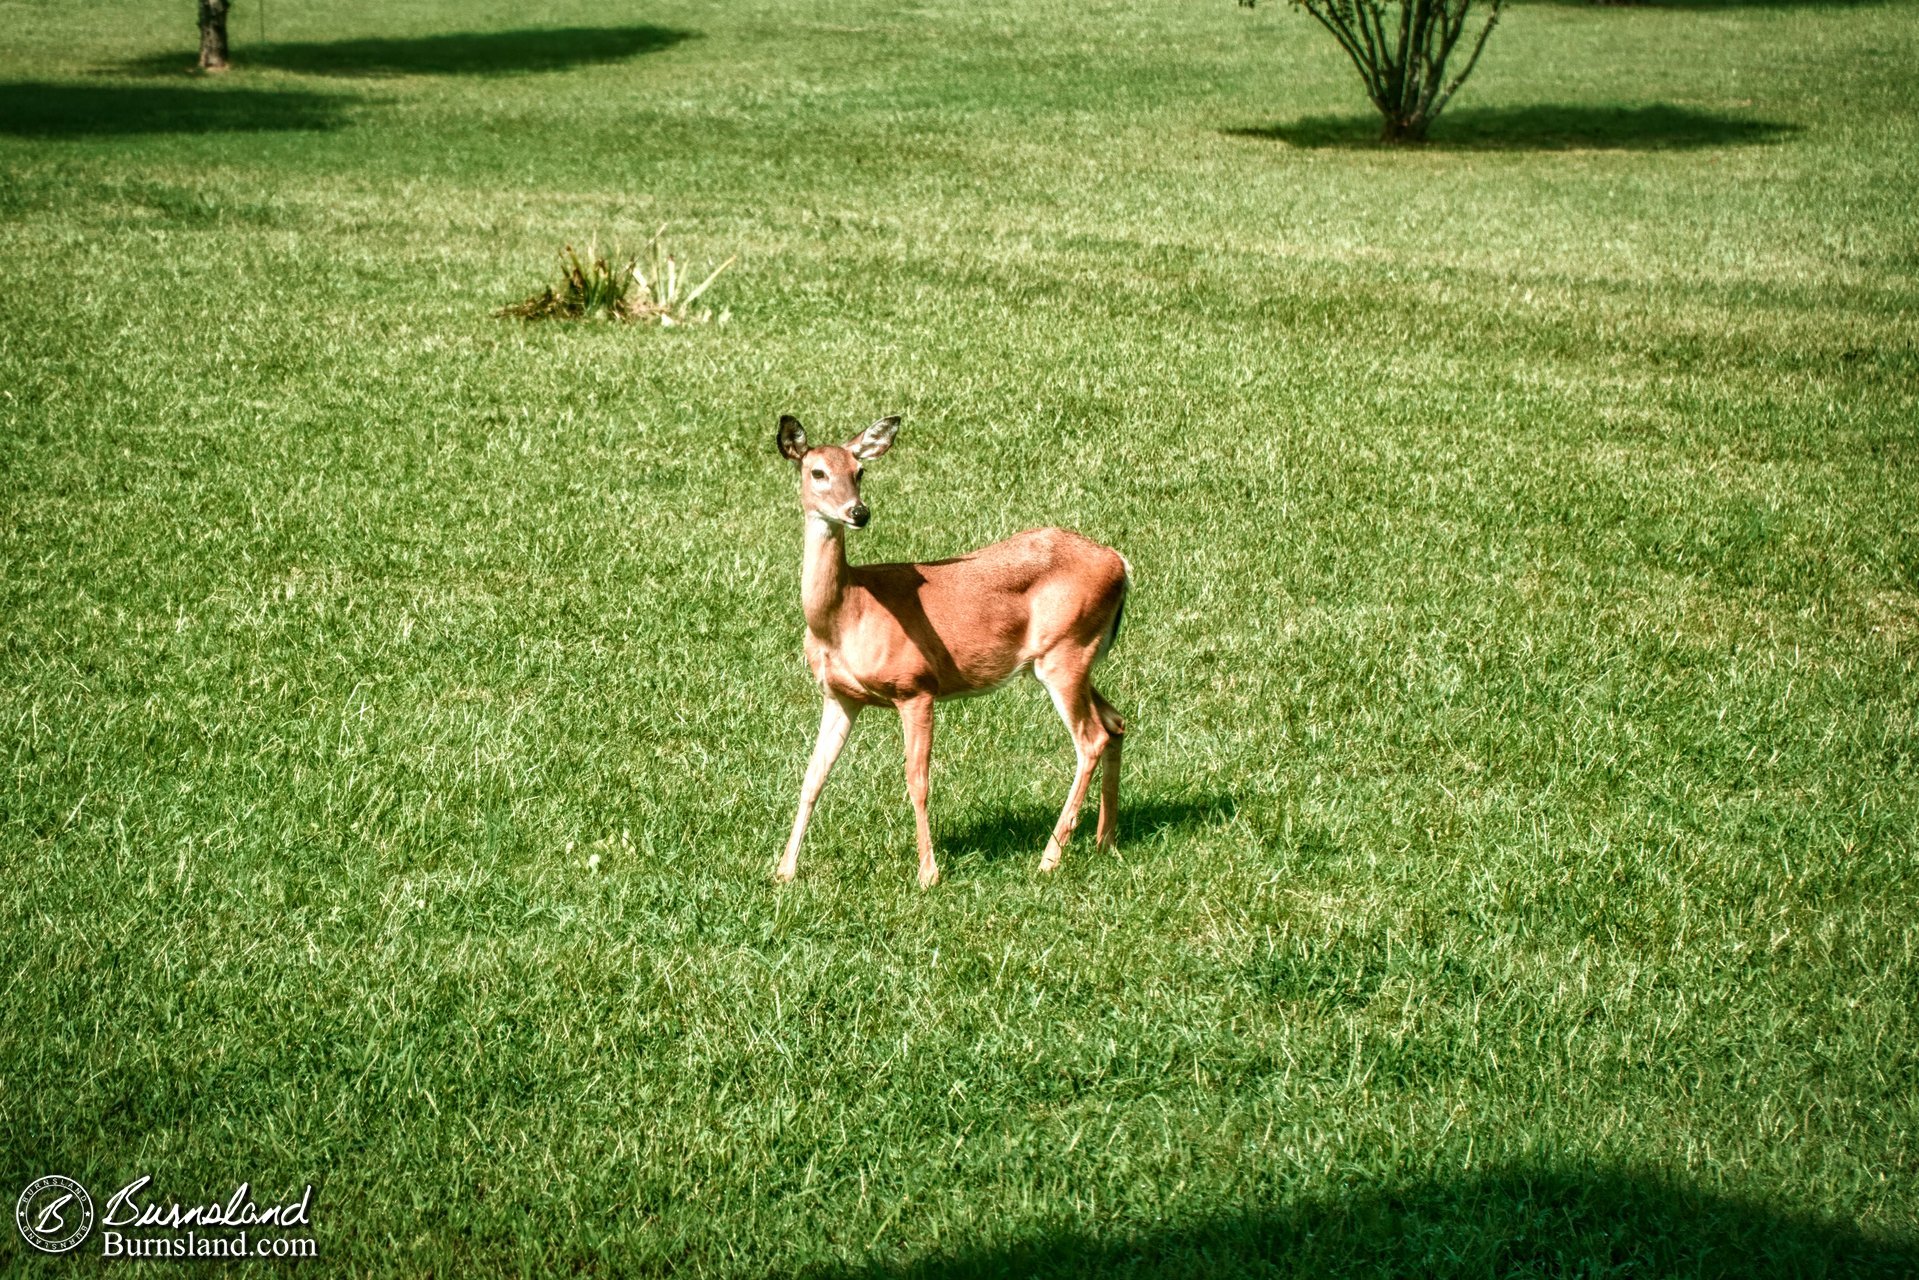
column 830, row 473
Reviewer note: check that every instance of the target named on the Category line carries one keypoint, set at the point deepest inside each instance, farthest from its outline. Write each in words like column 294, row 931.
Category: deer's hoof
column 929, row 876
column 785, row 873
column 1049, row 861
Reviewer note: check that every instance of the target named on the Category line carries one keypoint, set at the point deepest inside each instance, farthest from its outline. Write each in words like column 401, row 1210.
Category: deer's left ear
column 791, row 438
column 875, row 440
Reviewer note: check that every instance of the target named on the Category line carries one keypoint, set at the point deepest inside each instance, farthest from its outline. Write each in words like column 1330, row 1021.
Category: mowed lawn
column 1518, row 859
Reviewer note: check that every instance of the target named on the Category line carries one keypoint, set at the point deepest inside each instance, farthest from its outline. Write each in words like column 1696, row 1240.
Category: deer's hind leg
column 1066, row 676
column 1115, row 727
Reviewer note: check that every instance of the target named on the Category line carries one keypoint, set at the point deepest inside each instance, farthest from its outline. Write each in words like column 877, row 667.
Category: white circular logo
column 54, row 1214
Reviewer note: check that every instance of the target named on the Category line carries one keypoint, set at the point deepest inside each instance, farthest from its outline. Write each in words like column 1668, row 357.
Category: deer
column 907, row 636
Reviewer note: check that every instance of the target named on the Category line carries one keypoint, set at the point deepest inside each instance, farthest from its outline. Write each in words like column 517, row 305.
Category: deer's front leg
column 916, row 724
column 836, row 720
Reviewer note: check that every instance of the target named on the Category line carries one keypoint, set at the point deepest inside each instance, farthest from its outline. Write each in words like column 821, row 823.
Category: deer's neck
column 823, row 575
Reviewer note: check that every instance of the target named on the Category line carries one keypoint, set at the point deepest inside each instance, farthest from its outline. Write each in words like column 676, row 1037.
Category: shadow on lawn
column 478, row 53
column 1543, row 128
column 35, row 110
column 1018, row 833
column 1534, row 1223
column 1718, row 4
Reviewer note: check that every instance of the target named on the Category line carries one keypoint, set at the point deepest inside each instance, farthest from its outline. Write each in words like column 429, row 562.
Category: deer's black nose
column 857, row 515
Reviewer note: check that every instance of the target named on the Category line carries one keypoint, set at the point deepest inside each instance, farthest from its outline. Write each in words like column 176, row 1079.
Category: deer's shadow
column 1021, row 831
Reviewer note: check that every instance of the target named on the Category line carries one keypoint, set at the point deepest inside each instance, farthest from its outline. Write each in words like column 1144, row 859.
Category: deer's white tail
column 1119, row 611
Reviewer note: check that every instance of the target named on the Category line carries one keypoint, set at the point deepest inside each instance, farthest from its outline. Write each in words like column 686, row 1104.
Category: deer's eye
column 818, row 474
column 860, row 474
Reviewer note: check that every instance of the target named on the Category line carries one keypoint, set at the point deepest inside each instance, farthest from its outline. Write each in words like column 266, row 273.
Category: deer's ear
column 875, row 440
column 791, row 438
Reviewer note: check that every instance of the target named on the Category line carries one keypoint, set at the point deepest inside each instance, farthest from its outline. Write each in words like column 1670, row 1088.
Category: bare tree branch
column 1492, row 20
column 1403, row 65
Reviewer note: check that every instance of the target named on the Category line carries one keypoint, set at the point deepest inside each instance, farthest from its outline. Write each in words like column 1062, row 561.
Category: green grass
column 1519, row 862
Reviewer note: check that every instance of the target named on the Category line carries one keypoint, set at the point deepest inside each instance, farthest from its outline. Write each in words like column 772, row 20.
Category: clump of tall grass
column 650, row 287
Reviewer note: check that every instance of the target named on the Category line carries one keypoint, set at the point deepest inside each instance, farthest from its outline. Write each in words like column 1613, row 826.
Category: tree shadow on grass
column 1717, row 4
column 1542, row 128
column 29, row 109
column 1510, row 1223
column 473, row 53
column 1017, row 833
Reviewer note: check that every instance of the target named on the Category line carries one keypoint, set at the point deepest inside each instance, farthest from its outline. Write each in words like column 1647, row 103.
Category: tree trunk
column 1401, row 131
column 213, row 35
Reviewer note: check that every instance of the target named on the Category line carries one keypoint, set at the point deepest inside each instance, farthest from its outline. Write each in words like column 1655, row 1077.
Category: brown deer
column 907, row 635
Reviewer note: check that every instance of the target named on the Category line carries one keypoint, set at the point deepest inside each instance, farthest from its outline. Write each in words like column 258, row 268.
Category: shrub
column 1401, row 48
column 648, row 288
